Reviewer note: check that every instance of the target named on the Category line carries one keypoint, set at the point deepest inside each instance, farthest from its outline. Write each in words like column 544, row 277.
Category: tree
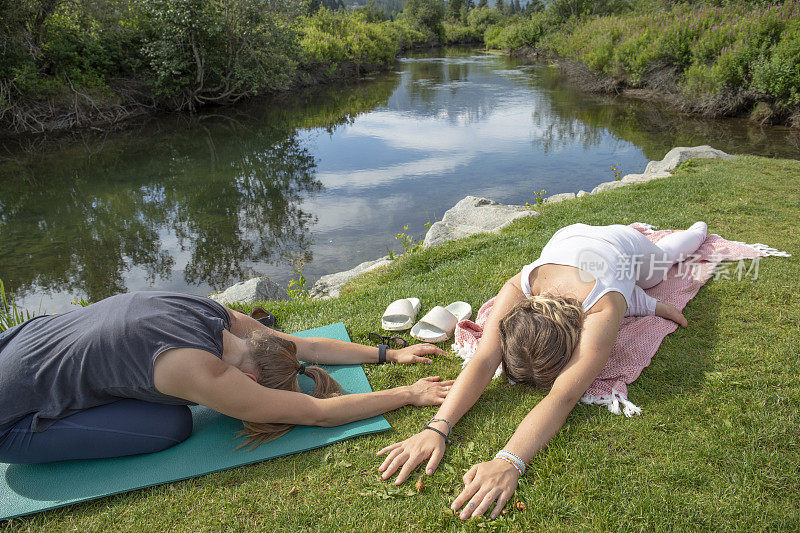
column 454, row 9
column 427, row 15
column 466, row 7
column 482, row 3
column 500, row 7
column 372, row 13
column 533, row 6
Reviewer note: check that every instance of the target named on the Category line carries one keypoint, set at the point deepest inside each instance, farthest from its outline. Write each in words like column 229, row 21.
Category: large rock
column 630, row 179
column 328, row 286
column 250, row 291
column 641, row 178
column 678, row 155
column 559, row 197
column 607, row 186
column 473, row 215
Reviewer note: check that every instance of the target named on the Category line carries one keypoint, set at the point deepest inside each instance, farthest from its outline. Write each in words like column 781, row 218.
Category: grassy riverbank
column 739, row 59
column 716, row 447
column 91, row 64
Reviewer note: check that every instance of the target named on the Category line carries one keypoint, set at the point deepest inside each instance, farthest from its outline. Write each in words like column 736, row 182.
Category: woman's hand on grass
column 429, row 391
column 485, row 484
column 409, row 454
column 414, row 354
column 670, row 312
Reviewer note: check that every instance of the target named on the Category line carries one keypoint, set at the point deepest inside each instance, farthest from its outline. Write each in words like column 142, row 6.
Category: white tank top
column 605, row 255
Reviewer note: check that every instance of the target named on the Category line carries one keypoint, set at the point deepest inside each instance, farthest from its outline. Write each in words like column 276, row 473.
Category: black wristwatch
column 382, row 353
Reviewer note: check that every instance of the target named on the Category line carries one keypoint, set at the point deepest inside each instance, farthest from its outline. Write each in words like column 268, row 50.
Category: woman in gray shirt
column 115, row 378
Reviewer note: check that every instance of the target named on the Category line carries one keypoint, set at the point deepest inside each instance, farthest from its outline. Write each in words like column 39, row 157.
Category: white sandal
column 440, row 322
column 400, row 314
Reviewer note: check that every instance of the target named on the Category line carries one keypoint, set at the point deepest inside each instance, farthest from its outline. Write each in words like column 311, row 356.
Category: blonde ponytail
column 277, row 368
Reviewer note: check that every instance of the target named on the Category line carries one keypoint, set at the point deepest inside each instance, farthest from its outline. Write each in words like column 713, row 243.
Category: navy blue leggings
column 125, row 427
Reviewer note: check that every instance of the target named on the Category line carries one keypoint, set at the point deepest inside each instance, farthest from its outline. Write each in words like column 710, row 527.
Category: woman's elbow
column 568, row 397
column 320, row 414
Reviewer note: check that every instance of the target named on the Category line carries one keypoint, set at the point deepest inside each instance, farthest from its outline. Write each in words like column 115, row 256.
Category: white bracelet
column 514, row 459
column 512, row 463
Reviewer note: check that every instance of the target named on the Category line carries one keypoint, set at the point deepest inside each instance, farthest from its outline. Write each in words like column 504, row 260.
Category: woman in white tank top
column 553, row 326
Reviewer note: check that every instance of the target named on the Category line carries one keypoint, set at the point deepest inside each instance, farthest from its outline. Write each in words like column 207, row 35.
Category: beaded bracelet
column 512, row 458
column 512, row 463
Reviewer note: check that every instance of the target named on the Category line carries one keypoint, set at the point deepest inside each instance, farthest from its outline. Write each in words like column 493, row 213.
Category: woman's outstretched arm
column 331, row 351
column 496, row 480
column 428, row 445
column 201, row 377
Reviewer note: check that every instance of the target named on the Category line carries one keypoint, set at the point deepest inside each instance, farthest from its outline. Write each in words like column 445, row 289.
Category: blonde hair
column 537, row 338
column 277, row 367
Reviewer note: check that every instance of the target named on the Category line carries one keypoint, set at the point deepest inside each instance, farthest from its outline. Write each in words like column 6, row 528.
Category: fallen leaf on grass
column 420, row 484
column 520, row 506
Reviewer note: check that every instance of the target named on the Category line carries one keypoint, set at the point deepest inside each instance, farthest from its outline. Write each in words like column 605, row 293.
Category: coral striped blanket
column 639, row 337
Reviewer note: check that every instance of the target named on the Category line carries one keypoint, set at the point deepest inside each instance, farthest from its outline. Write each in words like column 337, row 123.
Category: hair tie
column 302, row 369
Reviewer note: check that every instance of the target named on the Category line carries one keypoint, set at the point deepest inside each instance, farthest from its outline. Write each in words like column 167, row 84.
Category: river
column 327, row 175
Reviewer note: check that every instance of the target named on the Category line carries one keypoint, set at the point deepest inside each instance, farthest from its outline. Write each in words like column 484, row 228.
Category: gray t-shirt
column 54, row 366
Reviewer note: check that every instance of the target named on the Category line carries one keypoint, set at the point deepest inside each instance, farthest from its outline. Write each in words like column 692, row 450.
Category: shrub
column 426, row 16
column 518, row 33
column 481, row 18
column 218, row 51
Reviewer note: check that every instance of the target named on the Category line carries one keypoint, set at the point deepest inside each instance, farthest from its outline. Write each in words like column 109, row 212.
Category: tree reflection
column 572, row 114
column 228, row 188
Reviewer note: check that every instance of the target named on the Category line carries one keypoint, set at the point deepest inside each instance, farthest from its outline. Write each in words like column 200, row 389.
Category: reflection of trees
column 228, row 187
column 422, row 92
column 72, row 239
column 572, row 114
column 246, row 214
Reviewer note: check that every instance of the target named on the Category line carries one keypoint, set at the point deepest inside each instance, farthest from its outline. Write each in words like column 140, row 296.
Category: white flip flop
column 400, row 314
column 440, row 322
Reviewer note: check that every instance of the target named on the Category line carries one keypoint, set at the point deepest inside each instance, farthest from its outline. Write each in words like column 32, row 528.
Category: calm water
column 328, row 176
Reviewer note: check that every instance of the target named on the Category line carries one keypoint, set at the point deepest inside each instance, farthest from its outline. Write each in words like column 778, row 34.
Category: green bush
column 778, row 74
column 457, row 33
column 333, row 38
column 711, row 49
column 426, row 16
column 481, row 18
column 217, row 51
column 518, row 32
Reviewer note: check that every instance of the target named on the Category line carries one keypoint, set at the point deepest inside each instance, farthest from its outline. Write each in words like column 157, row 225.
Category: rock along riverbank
column 469, row 216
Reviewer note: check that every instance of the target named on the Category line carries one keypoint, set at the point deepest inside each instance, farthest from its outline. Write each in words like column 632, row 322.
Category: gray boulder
column 607, row 186
column 641, row 178
column 678, row 155
column 581, row 194
column 473, row 215
column 329, row 286
column 559, row 197
column 250, row 291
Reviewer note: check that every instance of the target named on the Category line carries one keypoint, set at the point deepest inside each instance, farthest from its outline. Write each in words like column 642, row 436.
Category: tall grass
column 10, row 314
column 711, row 52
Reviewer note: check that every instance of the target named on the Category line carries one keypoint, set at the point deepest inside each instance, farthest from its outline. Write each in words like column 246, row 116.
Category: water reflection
column 217, row 197
column 328, row 175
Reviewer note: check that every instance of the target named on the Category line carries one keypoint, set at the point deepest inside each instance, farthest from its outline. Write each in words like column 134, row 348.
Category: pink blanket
column 639, row 337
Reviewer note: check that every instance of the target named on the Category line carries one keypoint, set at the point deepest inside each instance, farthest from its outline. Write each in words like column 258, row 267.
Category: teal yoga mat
column 27, row 489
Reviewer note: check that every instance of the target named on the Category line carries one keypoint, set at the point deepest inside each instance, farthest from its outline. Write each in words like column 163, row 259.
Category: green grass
column 715, row 449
